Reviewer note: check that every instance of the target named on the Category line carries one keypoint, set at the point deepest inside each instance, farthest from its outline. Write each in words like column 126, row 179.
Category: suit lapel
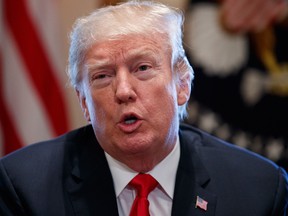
column 89, row 183
column 191, row 181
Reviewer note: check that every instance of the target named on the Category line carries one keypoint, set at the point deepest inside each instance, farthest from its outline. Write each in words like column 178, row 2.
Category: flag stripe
column 21, row 99
column 9, row 134
column 37, row 63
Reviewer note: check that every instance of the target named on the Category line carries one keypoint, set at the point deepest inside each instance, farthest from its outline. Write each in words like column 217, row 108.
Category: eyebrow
column 97, row 64
column 131, row 55
column 144, row 53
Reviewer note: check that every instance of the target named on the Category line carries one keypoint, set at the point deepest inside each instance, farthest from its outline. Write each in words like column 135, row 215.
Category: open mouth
column 130, row 119
column 130, row 122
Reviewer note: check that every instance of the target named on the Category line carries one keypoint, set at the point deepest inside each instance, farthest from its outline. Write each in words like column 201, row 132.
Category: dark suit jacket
column 70, row 176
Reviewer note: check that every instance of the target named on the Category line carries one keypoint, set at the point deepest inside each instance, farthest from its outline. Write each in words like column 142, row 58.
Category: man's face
column 129, row 96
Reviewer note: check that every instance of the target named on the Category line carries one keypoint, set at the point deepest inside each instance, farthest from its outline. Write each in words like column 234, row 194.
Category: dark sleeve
column 281, row 195
column 10, row 203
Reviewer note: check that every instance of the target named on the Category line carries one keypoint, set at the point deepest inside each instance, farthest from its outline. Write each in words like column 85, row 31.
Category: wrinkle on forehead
column 126, row 48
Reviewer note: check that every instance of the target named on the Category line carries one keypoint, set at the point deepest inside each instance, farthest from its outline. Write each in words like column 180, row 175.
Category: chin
column 138, row 146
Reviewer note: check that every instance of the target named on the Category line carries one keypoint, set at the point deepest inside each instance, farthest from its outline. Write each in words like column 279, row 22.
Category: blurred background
column 238, row 48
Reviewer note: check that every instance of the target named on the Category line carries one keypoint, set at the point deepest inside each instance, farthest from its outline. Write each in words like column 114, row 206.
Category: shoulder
column 206, row 143
column 46, row 153
column 218, row 155
column 236, row 172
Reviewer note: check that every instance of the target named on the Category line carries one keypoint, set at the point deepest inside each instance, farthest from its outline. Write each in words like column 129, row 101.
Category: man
column 132, row 78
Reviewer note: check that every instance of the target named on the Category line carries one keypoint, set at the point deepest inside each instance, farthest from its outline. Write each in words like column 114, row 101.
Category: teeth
column 130, row 121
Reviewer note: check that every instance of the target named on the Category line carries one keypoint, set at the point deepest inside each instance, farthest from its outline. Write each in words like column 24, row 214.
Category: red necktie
column 144, row 184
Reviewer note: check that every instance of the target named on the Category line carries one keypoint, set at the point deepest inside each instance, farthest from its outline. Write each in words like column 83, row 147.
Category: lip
column 129, row 128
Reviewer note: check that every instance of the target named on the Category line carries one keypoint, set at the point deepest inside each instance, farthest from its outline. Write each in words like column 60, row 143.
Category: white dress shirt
column 160, row 198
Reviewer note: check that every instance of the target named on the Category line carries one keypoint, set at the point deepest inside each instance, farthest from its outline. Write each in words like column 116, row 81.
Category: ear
column 83, row 104
column 183, row 90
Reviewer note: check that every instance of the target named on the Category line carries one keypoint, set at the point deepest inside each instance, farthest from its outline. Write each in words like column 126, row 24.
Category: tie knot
column 144, row 184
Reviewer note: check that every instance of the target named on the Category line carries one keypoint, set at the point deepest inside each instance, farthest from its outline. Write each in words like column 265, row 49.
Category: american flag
column 32, row 74
column 201, row 203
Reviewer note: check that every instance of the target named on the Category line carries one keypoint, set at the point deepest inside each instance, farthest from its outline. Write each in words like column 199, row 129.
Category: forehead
column 129, row 46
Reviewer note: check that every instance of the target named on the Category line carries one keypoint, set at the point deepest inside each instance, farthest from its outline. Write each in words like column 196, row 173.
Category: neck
column 144, row 162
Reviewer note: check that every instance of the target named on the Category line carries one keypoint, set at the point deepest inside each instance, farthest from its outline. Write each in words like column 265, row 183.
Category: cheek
column 171, row 100
column 96, row 109
column 102, row 109
column 164, row 100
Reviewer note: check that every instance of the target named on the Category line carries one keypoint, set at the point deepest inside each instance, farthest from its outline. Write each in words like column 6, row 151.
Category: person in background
column 240, row 45
column 133, row 81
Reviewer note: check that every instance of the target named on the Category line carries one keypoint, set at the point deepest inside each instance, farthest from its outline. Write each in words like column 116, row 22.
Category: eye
column 100, row 76
column 143, row 67
column 100, row 79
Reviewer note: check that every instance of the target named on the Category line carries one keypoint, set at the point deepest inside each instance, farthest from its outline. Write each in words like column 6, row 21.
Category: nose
column 124, row 87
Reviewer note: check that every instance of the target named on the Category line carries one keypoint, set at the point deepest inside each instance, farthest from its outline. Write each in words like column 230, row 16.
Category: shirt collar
column 164, row 172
